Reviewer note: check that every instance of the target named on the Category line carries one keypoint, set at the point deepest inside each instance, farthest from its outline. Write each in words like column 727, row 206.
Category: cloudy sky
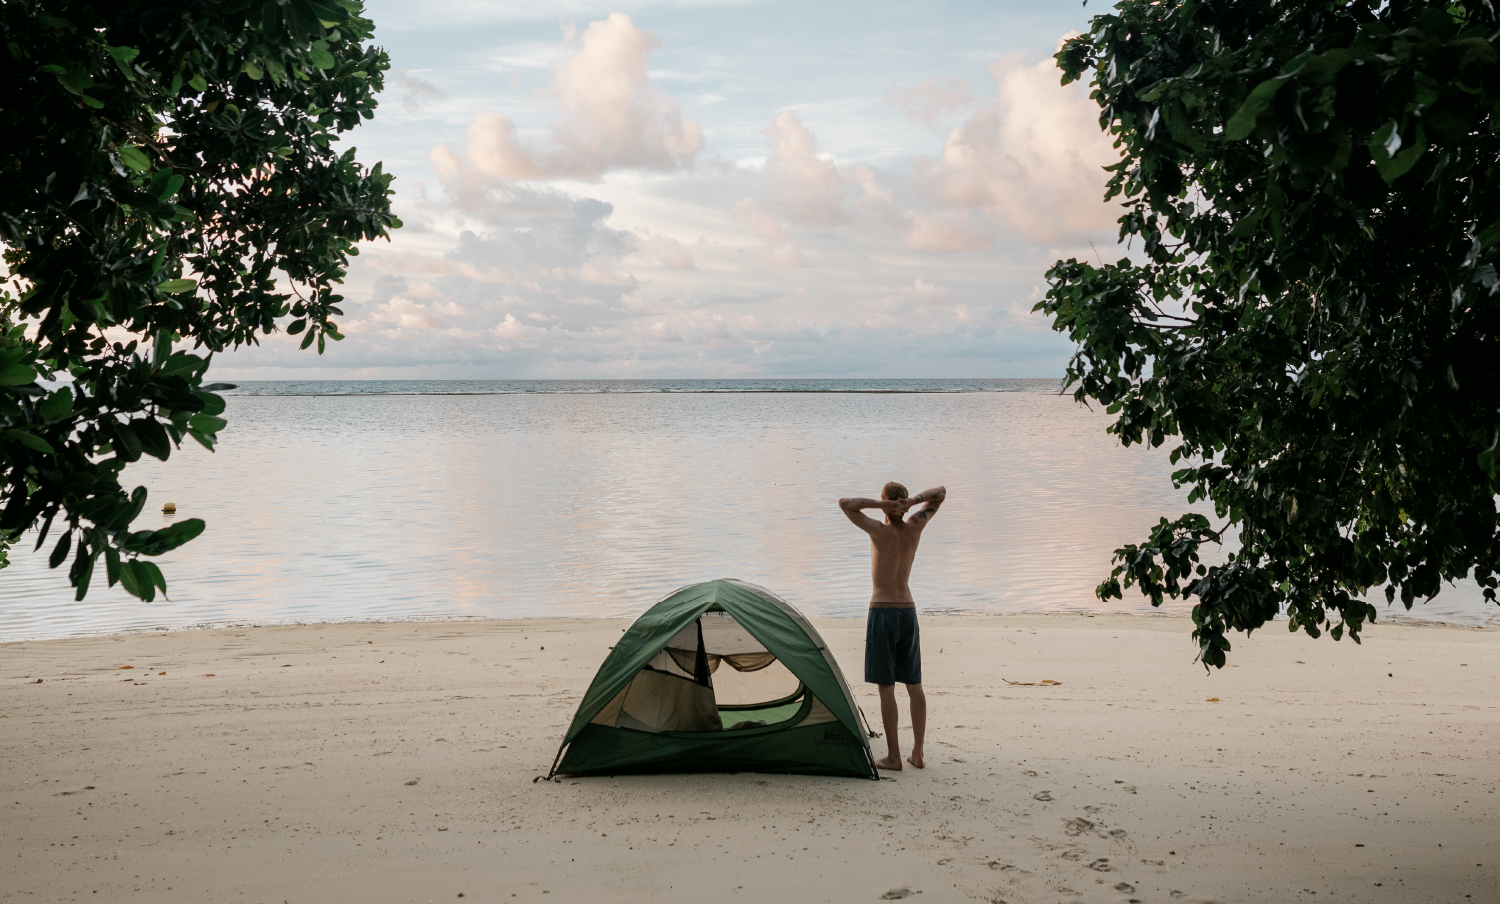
column 690, row 188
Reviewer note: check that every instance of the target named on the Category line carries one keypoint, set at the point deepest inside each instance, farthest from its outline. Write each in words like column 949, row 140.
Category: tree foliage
column 1311, row 322
column 169, row 188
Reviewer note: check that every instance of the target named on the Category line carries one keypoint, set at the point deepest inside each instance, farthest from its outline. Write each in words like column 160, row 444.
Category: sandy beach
column 394, row 763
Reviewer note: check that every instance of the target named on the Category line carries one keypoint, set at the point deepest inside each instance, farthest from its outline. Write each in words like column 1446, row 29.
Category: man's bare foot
column 916, row 759
column 891, row 763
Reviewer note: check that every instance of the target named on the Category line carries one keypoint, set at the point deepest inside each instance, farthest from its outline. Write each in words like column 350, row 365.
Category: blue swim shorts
column 893, row 652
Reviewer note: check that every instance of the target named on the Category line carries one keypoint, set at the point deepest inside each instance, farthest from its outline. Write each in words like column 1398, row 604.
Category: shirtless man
column 892, row 651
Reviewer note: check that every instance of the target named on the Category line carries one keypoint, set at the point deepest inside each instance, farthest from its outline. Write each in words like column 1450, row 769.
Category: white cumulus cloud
column 1030, row 159
column 797, row 182
column 611, row 117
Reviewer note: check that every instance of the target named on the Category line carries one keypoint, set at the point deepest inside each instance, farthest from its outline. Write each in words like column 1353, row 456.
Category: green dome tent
column 722, row 676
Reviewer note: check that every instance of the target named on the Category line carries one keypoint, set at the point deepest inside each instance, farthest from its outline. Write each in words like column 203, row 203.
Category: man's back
column 893, row 549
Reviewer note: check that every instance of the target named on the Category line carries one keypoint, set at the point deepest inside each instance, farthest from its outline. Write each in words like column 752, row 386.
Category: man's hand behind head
column 896, row 508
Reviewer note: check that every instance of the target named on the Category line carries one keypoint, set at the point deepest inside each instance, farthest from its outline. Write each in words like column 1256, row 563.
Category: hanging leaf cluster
column 1310, row 319
column 171, row 185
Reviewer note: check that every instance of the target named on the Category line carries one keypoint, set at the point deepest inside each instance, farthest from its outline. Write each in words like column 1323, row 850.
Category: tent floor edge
column 822, row 749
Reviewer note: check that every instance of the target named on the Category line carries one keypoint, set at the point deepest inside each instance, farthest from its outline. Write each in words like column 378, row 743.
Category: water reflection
column 380, row 506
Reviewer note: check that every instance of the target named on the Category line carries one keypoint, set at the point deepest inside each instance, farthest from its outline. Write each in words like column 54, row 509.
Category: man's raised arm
column 853, row 508
column 929, row 502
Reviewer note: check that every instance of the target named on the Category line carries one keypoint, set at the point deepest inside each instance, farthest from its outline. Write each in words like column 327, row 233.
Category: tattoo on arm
column 931, row 503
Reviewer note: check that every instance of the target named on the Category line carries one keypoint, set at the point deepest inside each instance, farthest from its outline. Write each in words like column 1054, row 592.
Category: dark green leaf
column 1490, row 235
column 1243, row 122
column 134, row 157
column 130, row 580
column 61, row 550
column 156, row 542
column 29, row 440
column 58, row 406
column 182, row 363
column 212, row 404
column 81, row 573
column 168, row 188
column 157, row 579
column 157, row 187
column 16, row 375
column 127, row 444
column 1394, row 167
column 207, row 423
column 76, row 81
column 153, row 438
column 320, row 56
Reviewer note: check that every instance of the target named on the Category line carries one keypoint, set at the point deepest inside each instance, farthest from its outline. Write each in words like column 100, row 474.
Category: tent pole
column 869, row 754
column 700, row 662
column 555, row 761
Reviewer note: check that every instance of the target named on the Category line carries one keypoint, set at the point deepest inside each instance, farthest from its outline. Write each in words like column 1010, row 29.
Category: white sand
column 287, row 776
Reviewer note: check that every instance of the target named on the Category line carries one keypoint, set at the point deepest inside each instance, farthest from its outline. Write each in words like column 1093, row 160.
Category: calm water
column 331, row 501
column 548, row 387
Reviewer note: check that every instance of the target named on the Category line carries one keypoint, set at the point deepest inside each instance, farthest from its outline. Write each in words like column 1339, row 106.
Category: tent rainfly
column 722, row 676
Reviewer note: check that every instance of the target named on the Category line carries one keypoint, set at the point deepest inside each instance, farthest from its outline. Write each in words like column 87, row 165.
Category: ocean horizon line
column 723, row 385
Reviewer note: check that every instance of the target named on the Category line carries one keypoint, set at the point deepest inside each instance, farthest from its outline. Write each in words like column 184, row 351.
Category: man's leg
column 890, row 716
column 918, row 699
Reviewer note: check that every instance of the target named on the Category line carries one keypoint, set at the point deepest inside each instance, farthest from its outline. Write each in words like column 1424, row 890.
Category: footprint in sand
column 1101, row 865
column 1042, row 796
column 897, row 894
column 1125, row 887
column 1077, row 825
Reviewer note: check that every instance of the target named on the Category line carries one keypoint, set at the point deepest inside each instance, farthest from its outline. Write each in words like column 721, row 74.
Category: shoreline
column 1405, row 621
column 393, row 761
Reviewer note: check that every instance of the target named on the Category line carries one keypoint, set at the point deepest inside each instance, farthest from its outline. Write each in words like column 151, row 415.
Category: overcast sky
column 717, row 189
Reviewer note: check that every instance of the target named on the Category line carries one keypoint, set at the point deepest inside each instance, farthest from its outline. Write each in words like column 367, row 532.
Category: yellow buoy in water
column 169, row 509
